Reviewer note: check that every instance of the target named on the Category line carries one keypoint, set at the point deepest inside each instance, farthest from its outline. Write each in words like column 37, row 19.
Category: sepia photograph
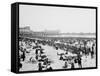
column 56, row 38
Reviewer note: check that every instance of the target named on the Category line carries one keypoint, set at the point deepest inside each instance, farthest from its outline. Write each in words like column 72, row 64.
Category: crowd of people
column 69, row 51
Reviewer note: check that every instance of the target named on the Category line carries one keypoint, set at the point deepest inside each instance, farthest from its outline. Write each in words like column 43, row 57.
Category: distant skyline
column 63, row 19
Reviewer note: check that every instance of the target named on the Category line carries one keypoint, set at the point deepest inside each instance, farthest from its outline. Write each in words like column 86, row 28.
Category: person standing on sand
column 72, row 66
column 40, row 66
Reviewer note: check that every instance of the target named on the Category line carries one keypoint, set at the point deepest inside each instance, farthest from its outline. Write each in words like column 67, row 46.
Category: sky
column 64, row 19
